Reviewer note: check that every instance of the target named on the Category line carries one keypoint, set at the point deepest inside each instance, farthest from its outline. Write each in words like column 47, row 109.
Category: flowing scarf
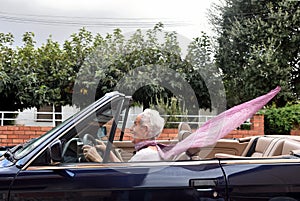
column 217, row 127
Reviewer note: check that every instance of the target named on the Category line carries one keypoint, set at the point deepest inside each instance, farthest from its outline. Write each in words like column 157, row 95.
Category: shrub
column 282, row 120
column 171, row 107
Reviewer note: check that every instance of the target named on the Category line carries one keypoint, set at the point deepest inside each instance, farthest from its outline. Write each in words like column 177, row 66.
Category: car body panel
column 139, row 181
column 7, row 175
column 263, row 179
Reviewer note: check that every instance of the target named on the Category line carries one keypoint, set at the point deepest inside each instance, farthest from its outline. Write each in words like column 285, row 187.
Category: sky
column 61, row 18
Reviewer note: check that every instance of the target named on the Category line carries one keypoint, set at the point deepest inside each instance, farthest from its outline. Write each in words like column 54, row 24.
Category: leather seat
column 184, row 131
column 266, row 147
column 284, row 147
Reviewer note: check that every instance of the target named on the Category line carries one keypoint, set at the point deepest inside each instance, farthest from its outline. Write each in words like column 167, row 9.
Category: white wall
column 28, row 116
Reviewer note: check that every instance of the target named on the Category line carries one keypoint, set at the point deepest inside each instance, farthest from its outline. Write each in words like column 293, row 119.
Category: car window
column 31, row 144
column 96, row 126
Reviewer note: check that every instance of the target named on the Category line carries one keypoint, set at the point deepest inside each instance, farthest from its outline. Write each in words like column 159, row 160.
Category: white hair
column 153, row 121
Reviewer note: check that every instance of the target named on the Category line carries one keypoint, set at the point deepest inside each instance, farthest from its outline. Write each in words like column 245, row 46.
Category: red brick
column 3, row 128
column 127, row 138
column 295, row 132
column 173, row 135
column 169, row 130
column 9, row 132
column 13, row 136
column 7, row 140
column 254, row 133
column 46, row 128
column 24, row 128
column 28, row 132
column 3, row 136
column 237, row 136
column 19, row 132
column 35, row 128
column 12, row 128
column 18, row 141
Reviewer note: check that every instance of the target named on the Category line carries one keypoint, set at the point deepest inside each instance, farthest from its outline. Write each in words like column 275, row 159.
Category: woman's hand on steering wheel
column 93, row 149
column 91, row 154
column 100, row 145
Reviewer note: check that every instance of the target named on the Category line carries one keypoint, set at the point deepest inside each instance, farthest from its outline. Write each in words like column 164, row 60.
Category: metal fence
column 13, row 118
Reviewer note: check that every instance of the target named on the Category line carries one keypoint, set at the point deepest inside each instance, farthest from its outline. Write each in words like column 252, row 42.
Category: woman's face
column 137, row 130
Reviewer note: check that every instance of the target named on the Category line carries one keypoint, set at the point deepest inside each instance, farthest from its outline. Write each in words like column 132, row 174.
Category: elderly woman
column 147, row 126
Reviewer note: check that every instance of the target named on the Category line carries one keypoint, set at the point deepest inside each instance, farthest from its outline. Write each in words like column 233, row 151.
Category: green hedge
column 282, row 120
column 171, row 107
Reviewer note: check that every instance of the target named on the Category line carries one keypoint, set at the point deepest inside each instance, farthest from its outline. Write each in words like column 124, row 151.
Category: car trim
column 125, row 165
column 258, row 161
column 164, row 163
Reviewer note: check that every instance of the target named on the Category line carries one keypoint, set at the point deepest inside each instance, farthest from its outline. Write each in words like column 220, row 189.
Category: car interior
column 251, row 147
column 255, row 147
column 85, row 132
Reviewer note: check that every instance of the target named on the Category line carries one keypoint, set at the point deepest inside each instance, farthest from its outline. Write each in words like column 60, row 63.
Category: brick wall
column 295, row 132
column 12, row 135
column 257, row 128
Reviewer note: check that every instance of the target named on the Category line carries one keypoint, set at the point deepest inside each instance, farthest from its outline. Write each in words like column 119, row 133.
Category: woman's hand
column 101, row 146
column 91, row 154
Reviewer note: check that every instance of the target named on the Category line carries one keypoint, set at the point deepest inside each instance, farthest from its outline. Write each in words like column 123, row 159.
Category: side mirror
column 55, row 151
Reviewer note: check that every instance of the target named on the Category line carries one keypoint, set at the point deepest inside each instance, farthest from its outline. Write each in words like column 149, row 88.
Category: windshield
column 31, row 144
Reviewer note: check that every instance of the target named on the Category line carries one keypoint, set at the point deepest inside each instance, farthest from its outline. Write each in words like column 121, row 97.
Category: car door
column 190, row 180
column 263, row 179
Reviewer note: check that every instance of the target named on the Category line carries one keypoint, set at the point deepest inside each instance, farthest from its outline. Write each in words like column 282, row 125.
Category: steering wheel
column 88, row 139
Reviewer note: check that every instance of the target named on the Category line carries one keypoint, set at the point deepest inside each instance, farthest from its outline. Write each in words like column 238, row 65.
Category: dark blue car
column 52, row 167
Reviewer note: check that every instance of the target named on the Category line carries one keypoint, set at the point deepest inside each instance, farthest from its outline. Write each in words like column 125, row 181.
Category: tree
column 36, row 76
column 203, row 75
column 258, row 49
column 7, row 86
column 16, row 70
column 147, row 65
column 150, row 62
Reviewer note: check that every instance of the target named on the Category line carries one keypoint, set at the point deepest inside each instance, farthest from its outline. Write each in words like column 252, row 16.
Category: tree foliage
column 258, row 48
column 282, row 120
column 149, row 64
column 35, row 76
column 87, row 66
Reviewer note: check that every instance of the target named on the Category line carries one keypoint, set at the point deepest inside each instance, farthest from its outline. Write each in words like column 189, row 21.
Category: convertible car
column 52, row 167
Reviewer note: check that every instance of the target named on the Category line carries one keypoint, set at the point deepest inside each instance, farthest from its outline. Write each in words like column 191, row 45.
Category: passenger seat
column 257, row 147
column 184, row 131
column 284, row 147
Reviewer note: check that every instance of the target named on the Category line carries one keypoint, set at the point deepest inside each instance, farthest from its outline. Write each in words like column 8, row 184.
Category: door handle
column 196, row 183
column 205, row 185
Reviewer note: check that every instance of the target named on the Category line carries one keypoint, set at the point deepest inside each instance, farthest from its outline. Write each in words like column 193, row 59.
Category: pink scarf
column 217, row 127
column 144, row 144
